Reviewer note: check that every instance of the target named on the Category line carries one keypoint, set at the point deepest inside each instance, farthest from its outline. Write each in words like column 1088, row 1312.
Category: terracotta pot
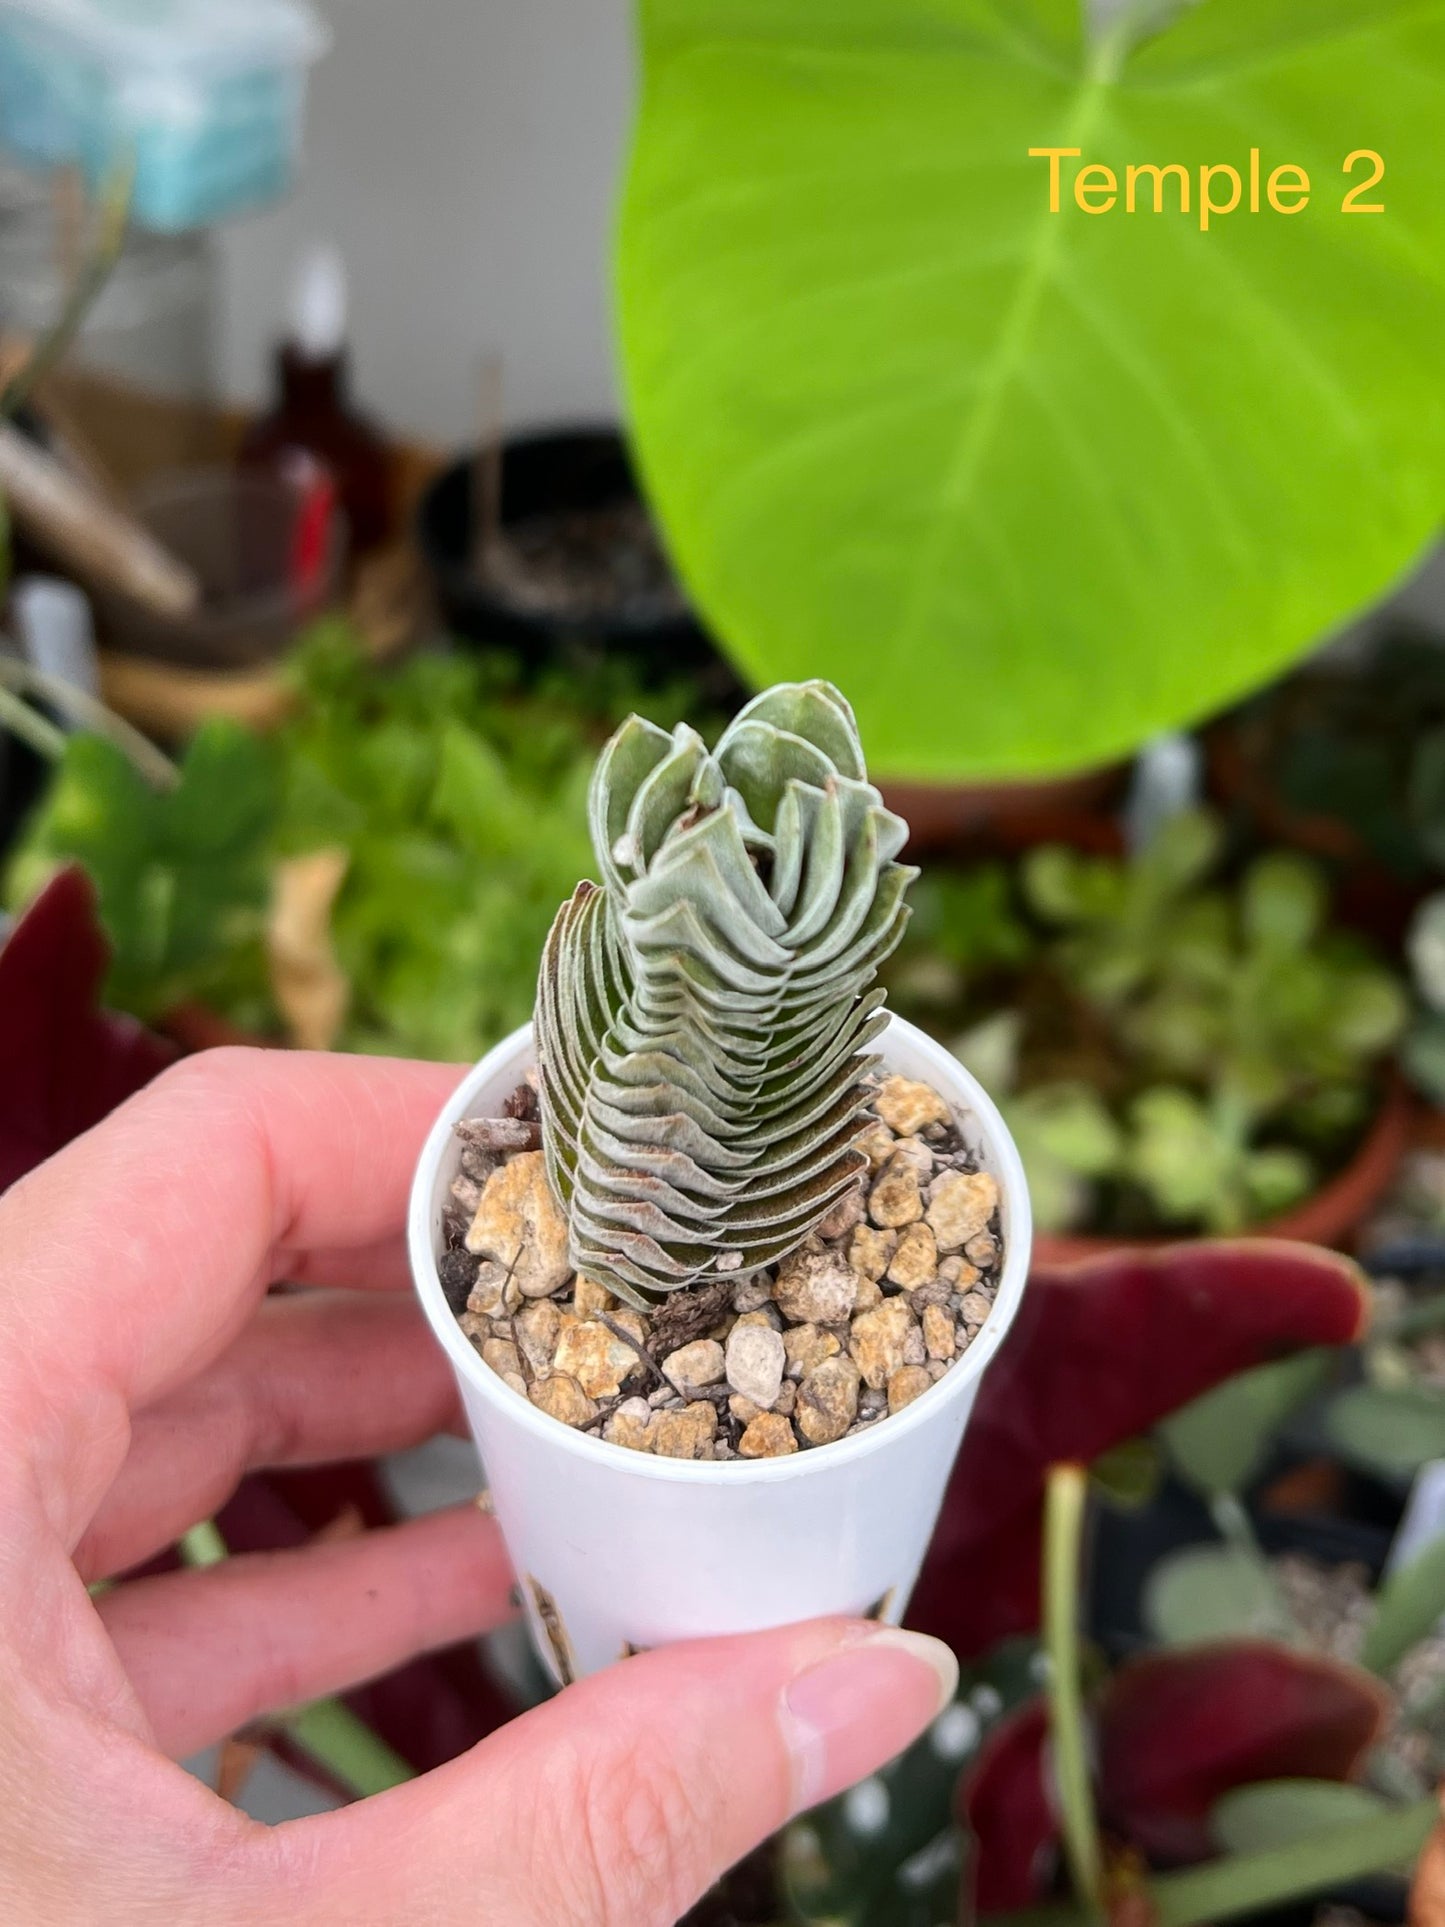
column 1008, row 816
column 1332, row 1216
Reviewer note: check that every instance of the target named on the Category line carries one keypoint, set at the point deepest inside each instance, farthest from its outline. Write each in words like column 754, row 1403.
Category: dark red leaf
column 64, row 1062
column 1007, row 1806
column 1100, row 1352
column 1174, row 1732
column 1178, row 1730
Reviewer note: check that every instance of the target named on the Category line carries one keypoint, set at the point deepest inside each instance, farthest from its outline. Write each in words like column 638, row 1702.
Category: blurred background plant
column 898, row 428
column 1175, row 1049
column 1349, row 757
column 450, row 801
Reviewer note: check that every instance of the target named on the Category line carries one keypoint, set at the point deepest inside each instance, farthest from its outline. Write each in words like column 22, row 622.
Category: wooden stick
column 63, row 435
column 100, row 542
column 85, row 712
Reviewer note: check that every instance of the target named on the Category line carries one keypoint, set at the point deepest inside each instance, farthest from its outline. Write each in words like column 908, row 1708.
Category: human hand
column 143, row 1371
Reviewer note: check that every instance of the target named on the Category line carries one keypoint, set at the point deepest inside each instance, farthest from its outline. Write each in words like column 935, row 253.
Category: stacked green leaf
column 703, row 1019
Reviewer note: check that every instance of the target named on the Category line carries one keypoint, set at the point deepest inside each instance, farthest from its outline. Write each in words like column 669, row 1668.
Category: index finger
column 135, row 1256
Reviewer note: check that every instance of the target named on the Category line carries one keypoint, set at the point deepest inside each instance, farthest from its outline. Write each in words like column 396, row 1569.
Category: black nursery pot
column 22, row 779
column 1128, row 1545
column 1331, row 1541
column 557, row 475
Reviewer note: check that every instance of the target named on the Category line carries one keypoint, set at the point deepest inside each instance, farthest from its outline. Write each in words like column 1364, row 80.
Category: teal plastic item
column 206, row 97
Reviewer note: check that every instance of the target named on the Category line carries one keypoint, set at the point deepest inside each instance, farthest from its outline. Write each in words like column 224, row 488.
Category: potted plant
column 541, row 546
column 1388, row 1425
column 1346, row 759
column 1172, row 1736
column 718, row 1285
column 1173, row 1054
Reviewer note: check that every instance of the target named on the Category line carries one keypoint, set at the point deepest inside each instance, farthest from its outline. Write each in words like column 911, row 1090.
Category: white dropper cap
column 52, row 620
column 1168, row 779
column 318, row 302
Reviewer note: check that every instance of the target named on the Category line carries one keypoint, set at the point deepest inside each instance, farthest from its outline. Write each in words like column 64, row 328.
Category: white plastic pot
column 616, row 1550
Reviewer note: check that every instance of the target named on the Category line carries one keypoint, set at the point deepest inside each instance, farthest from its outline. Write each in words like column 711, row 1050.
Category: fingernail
column 853, row 1712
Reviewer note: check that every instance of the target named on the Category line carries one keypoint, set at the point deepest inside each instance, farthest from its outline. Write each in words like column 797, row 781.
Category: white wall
column 464, row 153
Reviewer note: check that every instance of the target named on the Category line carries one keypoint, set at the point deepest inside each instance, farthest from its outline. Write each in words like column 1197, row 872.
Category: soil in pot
column 866, row 1317
column 585, row 565
column 574, row 567
column 1327, row 1571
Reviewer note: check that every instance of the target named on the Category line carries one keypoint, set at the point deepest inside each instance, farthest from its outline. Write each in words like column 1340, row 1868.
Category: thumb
column 625, row 1798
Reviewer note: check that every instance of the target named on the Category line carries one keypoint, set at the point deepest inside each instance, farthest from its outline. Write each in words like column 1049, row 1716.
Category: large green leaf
column 1030, row 486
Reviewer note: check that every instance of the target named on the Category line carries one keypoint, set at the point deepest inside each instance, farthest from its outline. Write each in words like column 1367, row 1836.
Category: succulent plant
column 703, row 1017
column 1170, row 1049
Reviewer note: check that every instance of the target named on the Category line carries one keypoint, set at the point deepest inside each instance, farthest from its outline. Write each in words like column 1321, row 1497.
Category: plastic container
column 150, row 327
column 205, row 96
column 314, row 419
column 268, row 551
column 617, row 1551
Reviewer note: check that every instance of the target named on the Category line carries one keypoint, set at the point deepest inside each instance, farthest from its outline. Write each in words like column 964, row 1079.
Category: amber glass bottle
column 313, row 419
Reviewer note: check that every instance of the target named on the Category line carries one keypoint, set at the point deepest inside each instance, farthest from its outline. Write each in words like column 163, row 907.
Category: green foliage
column 1248, row 989
column 1408, row 1608
column 1170, row 1050
column 463, row 808
column 1257, row 1023
column 1424, row 1049
column 965, row 925
column 1209, row 1592
column 1391, row 1429
column 459, row 799
column 1277, row 1813
column 1066, row 1136
column 1218, row 1442
column 1196, row 1163
column 1128, row 1475
column 181, row 875
column 1127, row 924
column 1032, row 486
column 1423, row 1055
